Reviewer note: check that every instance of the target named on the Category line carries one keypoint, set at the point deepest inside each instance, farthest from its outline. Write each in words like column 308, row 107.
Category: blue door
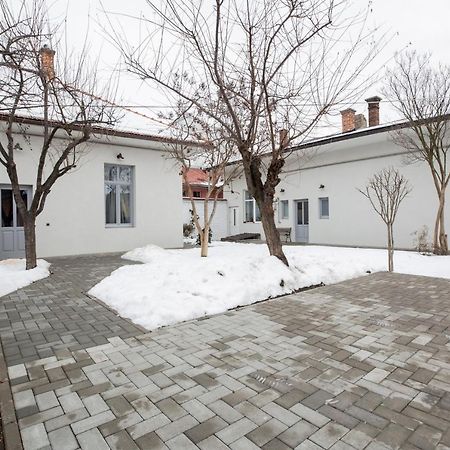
column 302, row 221
column 12, row 239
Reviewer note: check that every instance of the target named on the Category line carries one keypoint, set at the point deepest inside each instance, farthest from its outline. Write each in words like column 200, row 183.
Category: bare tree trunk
column 390, row 248
column 440, row 240
column 437, row 226
column 273, row 239
column 29, row 225
column 204, row 235
column 443, row 239
column 204, row 241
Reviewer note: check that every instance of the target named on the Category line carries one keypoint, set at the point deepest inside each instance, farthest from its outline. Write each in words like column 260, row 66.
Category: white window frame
column 132, row 198
column 321, row 215
column 254, row 208
column 282, row 215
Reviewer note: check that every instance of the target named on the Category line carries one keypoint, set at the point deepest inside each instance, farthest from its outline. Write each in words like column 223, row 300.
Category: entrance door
column 12, row 239
column 233, row 220
column 302, row 221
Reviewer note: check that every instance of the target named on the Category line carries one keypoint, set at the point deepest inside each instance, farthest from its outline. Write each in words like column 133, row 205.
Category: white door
column 12, row 239
column 301, row 221
column 233, row 218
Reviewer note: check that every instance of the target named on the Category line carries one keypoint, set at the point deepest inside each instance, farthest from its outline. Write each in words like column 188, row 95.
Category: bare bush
column 385, row 191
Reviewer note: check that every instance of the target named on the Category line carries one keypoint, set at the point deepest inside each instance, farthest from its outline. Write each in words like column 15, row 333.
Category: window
column 284, row 209
column 324, row 208
column 252, row 213
column 119, row 192
column 196, row 194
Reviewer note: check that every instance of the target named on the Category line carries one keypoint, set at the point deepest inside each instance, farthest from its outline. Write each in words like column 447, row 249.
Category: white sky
column 420, row 25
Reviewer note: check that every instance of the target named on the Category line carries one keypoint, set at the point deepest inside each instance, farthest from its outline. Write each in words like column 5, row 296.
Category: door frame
column 296, row 225
column 16, row 252
column 233, row 217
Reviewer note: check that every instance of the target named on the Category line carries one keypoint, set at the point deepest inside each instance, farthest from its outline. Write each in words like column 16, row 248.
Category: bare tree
column 255, row 68
column 420, row 91
column 385, row 191
column 32, row 85
column 213, row 157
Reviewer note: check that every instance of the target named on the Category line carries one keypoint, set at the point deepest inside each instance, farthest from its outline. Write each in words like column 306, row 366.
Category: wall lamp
column 120, row 156
column 322, row 186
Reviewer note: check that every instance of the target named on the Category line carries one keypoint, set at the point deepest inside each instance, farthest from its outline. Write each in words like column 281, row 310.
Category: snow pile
column 177, row 285
column 13, row 275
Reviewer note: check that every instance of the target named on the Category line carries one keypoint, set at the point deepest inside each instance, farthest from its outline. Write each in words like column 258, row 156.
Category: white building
column 83, row 214
column 319, row 198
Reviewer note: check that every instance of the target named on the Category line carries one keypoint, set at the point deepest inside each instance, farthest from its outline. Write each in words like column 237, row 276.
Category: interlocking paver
column 329, row 434
column 92, row 422
column 236, row 430
column 92, row 439
column 63, row 439
column 298, row 433
column 360, row 364
column 60, row 312
column 35, row 437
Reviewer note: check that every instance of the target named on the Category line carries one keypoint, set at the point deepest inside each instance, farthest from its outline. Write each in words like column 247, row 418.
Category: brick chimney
column 374, row 110
column 47, row 62
column 348, row 120
column 360, row 121
column 284, row 138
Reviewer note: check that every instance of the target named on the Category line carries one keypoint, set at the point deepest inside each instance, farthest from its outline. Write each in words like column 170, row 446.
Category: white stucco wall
column 73, row 221
column 343, row 167
column 219, row 224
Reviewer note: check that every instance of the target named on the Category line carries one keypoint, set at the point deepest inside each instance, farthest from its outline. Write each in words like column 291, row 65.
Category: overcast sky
column 414, row 23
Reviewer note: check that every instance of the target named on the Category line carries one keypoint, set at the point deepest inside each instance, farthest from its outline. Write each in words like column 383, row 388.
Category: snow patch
column 13, row 275
column 177, row 285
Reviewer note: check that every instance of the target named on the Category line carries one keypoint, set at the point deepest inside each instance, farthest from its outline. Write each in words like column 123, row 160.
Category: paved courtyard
column 360, row 364
column 55, row 314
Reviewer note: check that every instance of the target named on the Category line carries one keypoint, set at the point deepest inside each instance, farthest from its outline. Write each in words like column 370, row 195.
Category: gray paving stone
column 236, row 430
column 59, row 303
column 63, row 439
column 66, row 419
column 147, row 426
column 175, row 428
column 171, row 409
column 115, row 426
column 150, row 441
column 35, row 437
column 359, row 364
column 70, row 402
column 92, row 422
column 212, row 443
column 297, row 434
column 243, row 444
column 92, row 440
column 205, row 429
column 310, row 415
column 46, row 400
column 328, row 435
column 266, row 432
column 180, row 442
column 121, row 441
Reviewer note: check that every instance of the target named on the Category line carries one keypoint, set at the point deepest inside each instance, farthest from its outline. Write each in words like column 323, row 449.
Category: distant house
column 123, row 194
column 198, row 180
column 318, row 198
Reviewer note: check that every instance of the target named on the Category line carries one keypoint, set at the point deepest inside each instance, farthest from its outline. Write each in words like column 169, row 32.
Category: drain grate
column 281, row 384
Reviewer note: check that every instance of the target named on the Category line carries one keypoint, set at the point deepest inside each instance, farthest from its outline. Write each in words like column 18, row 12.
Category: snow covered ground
column 13, row 275
column 176, row 285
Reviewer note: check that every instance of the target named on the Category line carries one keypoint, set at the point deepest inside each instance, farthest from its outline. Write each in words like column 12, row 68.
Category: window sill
column 119, row 225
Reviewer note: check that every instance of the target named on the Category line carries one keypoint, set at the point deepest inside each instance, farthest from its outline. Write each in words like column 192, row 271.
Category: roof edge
column 105, row 131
